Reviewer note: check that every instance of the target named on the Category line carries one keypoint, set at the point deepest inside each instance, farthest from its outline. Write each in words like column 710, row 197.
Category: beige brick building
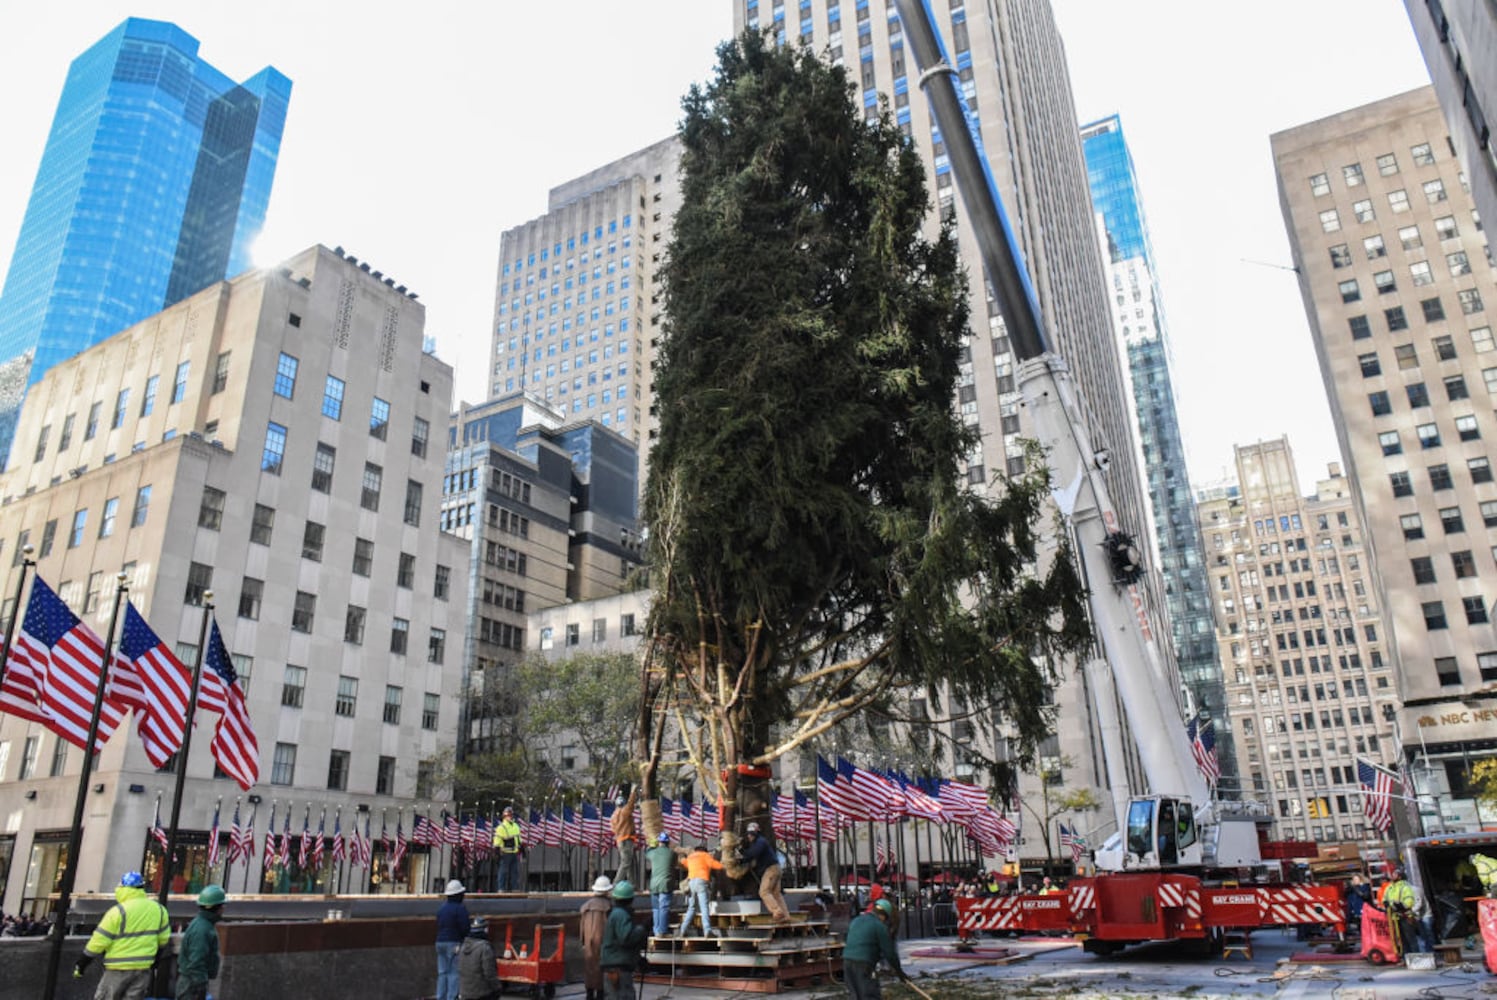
column 1308, row 677
column 276, row 439
column 1397, row 277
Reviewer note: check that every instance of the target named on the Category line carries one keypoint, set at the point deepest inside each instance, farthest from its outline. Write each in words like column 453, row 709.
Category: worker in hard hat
column 869, row 941
column 1485, row 867
column 128, row 938
column 623, row 940
column 197, row 961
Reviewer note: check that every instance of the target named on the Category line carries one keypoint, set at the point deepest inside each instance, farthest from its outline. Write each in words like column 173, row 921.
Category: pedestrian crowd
column 23, row 925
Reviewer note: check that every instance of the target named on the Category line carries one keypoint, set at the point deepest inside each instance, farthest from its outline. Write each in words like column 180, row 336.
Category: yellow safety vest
column 131, row 933
column 1400, row 893
column 507, row 837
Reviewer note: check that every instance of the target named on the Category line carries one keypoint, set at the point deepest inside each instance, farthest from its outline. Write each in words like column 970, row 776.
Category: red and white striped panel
column 991, row 913
column 1171, row 894
column 1299, row 904
column 1193, row 902
column 1083, row 899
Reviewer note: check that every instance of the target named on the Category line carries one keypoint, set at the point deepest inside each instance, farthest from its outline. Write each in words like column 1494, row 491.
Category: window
column 431, row 706
column 337, row 771
column 1429, row 435
column 574, row 634
column 347, row 702
column 1434, row 310
column 66, row 440
column 353, row 624
column 1476, row 610
column 322, row 467
column 1406, row 356
column 60, row 755
column 275, row 449
column 199, row 582
column 1439, row 477
column 1387, row 164
column 94, row 592
column 262, row 525
column 384, row 776
column 413, row 502
column 363, row 556
column 1350, row 292
column 1340, row 256
column 1413, row 526
column 1470, row 301
column 1395, row 319
column 1451, row 518
column 626, row 625
column 393, row 696
column 221, row 374
column 1424, row 569
column 1434, row 191
column 283, row 764
column 122, row 403
column 1410, row 239
column 211, row 509
column 148, row 401
column 303, row 611
column 1485, row 662
column 311, row 541
column 251, row 593
column 420, row 433
column 1320, row 184
column 1466, row 427
column 1360, row 328
column 1434, row 615
column 1447, row 670
column 1489, row 513
column 1481, row 339
column 1374, row 247
column 442, row 583
column 400, row 633
column 1390, row 443
column 1363, row 210
column 1445, row 228
column 1423, row 155
column 107, row 518
column 91, row 429
column 1464, row 564
column 1458, row 263
column 142, row 507
column 1384, row 282
column 49, row 534
column 436, row 645
column 179, row 384
column 1398, row 200
column 405, row 576
column 293, row 686
column 332, row 398
column 379, row 418
column 1330, row 221
column 1352, row 173
column 1480, row 469
column 1402, row 486
column 1417, row 393
column 1379, row 403
column 374, row 477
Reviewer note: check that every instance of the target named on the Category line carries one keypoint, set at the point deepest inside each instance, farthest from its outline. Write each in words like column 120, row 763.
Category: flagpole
column 15, row 612
column 168, row 862
column 75, row 836
column 254, row 808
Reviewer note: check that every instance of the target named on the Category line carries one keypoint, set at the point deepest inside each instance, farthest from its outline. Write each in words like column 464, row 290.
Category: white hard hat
column 602, row 885
column 454, row 888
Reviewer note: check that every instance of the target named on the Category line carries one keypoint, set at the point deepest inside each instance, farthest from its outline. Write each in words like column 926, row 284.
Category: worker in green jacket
column 128, row 938
column 623, row 940
column 868, row 941
column 197, row 962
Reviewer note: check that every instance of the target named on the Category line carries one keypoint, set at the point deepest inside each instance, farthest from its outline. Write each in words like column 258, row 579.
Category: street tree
column 814, row 543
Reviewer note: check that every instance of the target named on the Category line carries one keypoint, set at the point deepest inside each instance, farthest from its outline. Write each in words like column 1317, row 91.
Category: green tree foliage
column 813, row 543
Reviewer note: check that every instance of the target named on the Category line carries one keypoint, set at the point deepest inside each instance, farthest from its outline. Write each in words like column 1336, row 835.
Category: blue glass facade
column 153, row 184
column 1139, row 309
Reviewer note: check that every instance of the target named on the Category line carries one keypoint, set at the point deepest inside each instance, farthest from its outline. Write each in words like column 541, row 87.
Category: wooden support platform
column 749, row 953
column 785, row 977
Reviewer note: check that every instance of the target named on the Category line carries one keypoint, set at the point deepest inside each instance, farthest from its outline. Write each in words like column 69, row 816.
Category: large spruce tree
column 814, row 545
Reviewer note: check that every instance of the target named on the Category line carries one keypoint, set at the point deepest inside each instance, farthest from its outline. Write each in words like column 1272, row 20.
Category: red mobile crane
column 1153, row 885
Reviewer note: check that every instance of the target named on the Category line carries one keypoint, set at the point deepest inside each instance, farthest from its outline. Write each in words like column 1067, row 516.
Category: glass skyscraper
column 1138, row 313
column 152, row 186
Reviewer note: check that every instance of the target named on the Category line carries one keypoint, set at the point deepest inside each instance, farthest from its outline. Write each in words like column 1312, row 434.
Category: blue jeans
column 509, row 873
column 447, row 969
column 660, row 902
column 696, row 900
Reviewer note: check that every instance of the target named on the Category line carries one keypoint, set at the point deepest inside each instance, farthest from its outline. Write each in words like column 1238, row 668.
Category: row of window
column 1407, row 355
column 572, row 242
column 1429, row 435
column 283, row 770
column 325, row 460
column 1409, row 238
column 78, row 530
column 1440, row 478
column 1471, row 303
column 1448, row 668
column 1418, row 393
column 573, row 631
column 1450, row 518
column 1423, row 155
column 1398, row 202
column 1462, row 563
column 121, row 406
column 345, row 704
column 262, row 525
column 30, row 752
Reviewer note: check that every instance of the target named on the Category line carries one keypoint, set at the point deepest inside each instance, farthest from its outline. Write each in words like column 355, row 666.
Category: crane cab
column 1161, row 833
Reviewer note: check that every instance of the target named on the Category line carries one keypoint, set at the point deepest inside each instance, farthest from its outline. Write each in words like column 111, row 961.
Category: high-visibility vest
column 131, row 932
column 1486, row 870
column 507, row 837
column 1401, row 893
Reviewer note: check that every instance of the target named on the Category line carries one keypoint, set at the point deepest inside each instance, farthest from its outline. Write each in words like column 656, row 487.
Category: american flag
column 452, row 832
column 917, row 803
column 53, row 673
column 384, row 836
column 670, row 819
column 785, row 816
column 213, row 835
column 592, row 831
column 878, row 794
column 272, row 856
column 283, row 850
column 397, row 853
column 340, row 846
column 319, row 843
column 423, row 831
column 157, row 831
column 1377, row 793
column 149, row 678
column 242, row 839
column 1202, row 733
column 837, row 792
column 304, row 843
column 361, row 847
column 961, row 801
column 883, row 853
column 1070, row 837
column 234, row 744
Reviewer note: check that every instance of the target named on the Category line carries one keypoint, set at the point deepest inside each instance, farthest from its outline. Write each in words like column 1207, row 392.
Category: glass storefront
column 49, row 857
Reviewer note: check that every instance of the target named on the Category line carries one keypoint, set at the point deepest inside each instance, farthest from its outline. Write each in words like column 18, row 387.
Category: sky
column 418, row 133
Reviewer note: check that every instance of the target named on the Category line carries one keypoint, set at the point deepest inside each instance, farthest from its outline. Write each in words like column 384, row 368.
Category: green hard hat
column 883, row 906
column 211, row 896
column 623, row 890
